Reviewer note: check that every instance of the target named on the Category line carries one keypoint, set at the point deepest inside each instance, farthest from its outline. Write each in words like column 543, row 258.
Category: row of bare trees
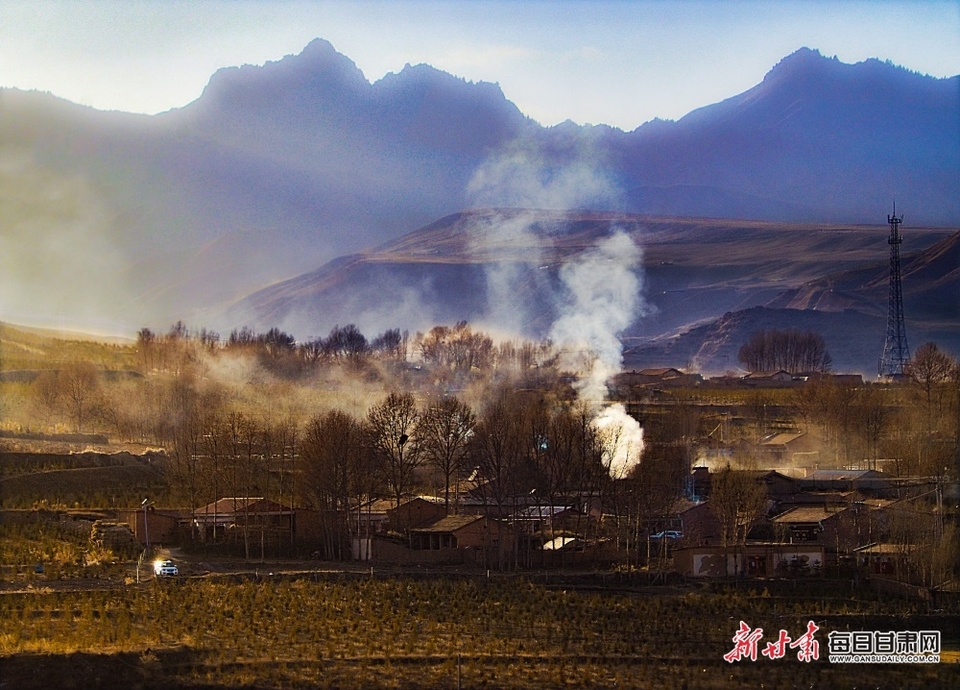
column 915, row 422
column 275, row 349
column 458, row 348
column 791, row 350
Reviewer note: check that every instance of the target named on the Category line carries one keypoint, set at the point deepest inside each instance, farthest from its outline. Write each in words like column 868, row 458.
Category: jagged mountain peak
column 422, row 78
column 318, row 70
column 799, row 61
column 808, row 70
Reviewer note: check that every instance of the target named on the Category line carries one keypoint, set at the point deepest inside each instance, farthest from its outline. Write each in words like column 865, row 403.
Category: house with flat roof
column 756, row 559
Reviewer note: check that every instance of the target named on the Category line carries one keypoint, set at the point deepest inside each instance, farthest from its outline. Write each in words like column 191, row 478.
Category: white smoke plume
column 499, row 241
column 527, row 178
column 603, row 285
column 605, row 297
column 622, row 438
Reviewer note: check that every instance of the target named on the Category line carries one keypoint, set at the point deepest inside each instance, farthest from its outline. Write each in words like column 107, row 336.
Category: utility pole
column 146, row 526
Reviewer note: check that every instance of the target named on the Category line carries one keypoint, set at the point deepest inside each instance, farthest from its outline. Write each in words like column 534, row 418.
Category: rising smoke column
column 529, row 176
column 512, row 252
column 603, row 298
column 603, row 285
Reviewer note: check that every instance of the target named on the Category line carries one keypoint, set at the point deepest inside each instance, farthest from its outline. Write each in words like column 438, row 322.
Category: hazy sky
column 619, row 63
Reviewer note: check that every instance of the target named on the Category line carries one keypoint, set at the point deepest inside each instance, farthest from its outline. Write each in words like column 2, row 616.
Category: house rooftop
column 662, row 371
column 805, row 515
column 781, row 439
column 560, row 543
column 767, row 374
column 450, row 523
column 885, row 549
column 240, row 504
column 380, row 505
column 542, row 511
column 845, row 475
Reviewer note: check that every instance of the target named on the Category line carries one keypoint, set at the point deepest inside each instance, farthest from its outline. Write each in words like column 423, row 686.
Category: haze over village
column 334, row 372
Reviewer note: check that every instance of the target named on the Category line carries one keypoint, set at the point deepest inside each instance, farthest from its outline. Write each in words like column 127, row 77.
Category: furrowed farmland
column 403, row 632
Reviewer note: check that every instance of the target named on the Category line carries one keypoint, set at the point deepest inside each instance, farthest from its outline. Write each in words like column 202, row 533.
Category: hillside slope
column 502, row 269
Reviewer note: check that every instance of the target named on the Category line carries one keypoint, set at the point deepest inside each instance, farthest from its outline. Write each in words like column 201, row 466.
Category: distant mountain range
column 123, row 220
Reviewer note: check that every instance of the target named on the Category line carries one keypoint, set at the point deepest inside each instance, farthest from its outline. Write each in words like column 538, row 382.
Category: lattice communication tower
column 896, row 352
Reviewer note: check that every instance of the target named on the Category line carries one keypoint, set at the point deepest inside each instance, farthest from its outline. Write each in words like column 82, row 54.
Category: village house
column 870, row 482
column 884, row 558
column 156, row 527
column 545, row 519
column 769, row 379
column 841, row 523
column 696, row 523
column 414, row 512
column 756, row 559
column 794, row 449
column 665, row 377
column 371, row 516
column 230, row 516
column 778, row 486
column 460, row 532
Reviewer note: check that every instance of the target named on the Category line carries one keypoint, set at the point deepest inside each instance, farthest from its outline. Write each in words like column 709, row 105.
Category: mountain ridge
column 283, row 167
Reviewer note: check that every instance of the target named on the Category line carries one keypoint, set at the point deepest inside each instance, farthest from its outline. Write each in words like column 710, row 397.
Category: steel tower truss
column 896, row 352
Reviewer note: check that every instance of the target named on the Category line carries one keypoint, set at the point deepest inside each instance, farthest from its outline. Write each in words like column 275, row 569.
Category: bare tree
column 391, row 343
column 929, row 370
column 869, row 416
column 79, row 384
column 572, row 459
column 458, row 348
column 444, row 429
column 433, row 346
column 738, row 500
column 312, row 351
column 244, row 338
column 468, row 349
column 852, row 418
column 277, row 344
column 198, row 411
column 559, row 449
column 497, row 448
column 146, row 350
column 47, row 395
column 331, row 453
column 346, row 343
column 392, row 426
column 209, row 340
column 655, row 484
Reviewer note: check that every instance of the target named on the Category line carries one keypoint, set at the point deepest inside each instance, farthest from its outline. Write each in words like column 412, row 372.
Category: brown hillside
column 694, row 271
